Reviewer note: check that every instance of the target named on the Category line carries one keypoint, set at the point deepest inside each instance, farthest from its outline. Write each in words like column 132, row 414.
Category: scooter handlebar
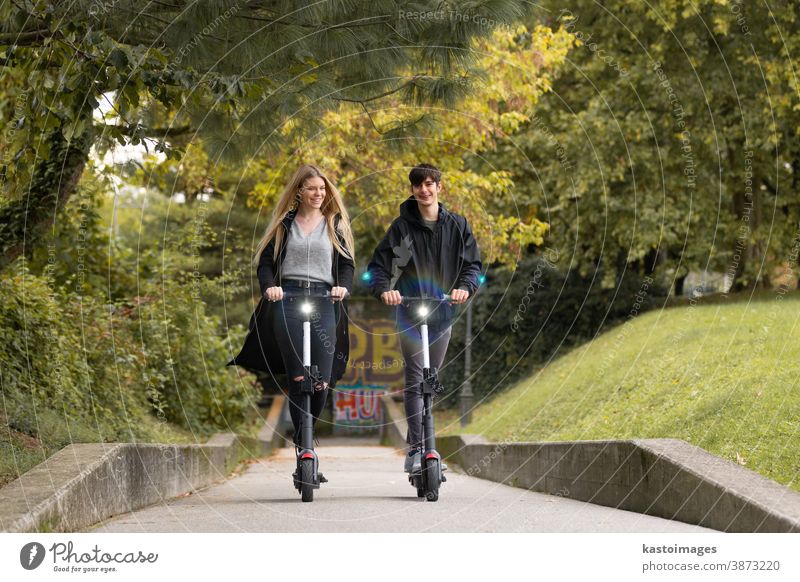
column 312, row 295
column 424, row 298
column 309, row 295
column 417, row 299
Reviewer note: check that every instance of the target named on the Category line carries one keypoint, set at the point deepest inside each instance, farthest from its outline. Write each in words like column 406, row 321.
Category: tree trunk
column 746, row 201
column 652, row 260
column 679, row 281
column 23, row 221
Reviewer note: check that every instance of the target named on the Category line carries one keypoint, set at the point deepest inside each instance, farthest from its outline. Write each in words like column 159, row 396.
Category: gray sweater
column 309, row 258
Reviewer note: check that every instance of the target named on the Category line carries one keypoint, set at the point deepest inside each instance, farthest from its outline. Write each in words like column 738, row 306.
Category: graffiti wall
column 375, row 357
column 375, row 368
column 357, row 407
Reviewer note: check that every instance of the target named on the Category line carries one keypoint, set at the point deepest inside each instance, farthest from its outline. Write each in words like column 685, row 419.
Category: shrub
column 184, row 371
column 111, row 372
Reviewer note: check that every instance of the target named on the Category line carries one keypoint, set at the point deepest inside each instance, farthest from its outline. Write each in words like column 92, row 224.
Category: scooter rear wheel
column 307, row 480
column 432, row 481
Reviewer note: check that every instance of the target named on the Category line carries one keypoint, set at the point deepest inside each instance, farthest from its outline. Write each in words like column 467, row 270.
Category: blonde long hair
column 332, row 206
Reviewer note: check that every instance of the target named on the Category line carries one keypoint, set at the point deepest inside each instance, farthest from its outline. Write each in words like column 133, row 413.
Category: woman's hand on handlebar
column 458, row 296
column 274, row 293
column 392, row 297
column 338, row 293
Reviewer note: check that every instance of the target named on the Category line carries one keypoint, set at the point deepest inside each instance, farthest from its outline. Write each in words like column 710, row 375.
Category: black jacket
column 416, row 260
column 261, row 352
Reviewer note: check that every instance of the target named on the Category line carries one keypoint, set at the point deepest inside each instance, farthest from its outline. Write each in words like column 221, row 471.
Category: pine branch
column 167, row 5
column 152, row 16
column 386, row 18
column 162, row 132
column 412, row 81
column 273, row 21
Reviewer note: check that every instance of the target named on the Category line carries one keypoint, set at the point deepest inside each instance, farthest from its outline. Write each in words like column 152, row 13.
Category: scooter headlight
column 305, row 308
column 423, row 310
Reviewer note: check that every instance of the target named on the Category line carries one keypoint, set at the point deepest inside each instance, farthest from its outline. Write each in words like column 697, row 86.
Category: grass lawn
column 720, row 374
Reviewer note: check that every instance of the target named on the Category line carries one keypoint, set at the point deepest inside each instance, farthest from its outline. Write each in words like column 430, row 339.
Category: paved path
column 368, row 492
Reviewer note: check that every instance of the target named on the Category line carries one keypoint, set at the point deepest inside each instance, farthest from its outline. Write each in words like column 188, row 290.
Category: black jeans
column 287, row 325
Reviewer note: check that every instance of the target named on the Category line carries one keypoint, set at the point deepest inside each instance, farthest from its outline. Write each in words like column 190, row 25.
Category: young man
column 426, row 251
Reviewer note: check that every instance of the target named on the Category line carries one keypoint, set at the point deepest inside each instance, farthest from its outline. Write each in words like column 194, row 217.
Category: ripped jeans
column 287, row 325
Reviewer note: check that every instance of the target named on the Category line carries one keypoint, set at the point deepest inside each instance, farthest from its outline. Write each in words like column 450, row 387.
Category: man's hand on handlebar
column 392, row 297
column 338, row 293
column 458, row 296
column 274, row 293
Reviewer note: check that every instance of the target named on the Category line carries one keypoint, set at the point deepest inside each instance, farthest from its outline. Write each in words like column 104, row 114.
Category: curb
column 667, row 478
column 83, row 484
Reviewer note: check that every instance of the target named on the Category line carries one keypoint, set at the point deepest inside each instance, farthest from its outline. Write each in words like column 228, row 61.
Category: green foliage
column 183, row 361
column 669, row 138
column 245, row 78
column 368, row 148
column 722, row 376
column 208, row 238
column 75, row 368
column 62, row 381
column 526, row 318
column 27, row 207
column 77, row 253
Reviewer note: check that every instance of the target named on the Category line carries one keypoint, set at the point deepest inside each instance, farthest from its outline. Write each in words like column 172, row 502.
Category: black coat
column 416, row 260
column 261, row 352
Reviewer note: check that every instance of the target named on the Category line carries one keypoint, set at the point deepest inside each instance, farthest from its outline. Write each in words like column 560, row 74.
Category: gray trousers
column 411, row 346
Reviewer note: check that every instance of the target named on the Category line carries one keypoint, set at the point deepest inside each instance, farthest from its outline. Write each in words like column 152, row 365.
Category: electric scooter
column 431, row 474
column 307, row 477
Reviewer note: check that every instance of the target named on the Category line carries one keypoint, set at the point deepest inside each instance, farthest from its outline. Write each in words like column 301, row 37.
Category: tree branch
column 24, row 38
column 381, row 96
column 130, row 130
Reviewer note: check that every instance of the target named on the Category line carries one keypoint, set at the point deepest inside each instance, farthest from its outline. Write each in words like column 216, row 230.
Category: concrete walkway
column 368, row 492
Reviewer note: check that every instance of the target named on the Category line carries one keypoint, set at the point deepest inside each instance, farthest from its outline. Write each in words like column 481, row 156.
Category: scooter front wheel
column 432, row 480
column 307, row 480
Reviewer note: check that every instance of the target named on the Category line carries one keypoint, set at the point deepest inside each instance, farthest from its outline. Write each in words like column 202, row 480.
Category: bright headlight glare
column 305, row 308
column 423, row 311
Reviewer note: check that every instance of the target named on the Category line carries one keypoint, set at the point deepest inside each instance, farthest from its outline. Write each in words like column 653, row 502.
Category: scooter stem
column 306, row 343
column 426, row 355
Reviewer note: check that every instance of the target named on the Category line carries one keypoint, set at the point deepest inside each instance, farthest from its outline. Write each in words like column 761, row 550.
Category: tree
column 369, row 149
column 669, row 142
column 241, row 76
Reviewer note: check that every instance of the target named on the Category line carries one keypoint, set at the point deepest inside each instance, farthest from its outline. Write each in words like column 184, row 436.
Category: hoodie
column 416, row 260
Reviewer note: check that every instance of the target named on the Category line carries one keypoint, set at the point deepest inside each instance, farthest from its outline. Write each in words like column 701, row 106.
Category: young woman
column 308, row 245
